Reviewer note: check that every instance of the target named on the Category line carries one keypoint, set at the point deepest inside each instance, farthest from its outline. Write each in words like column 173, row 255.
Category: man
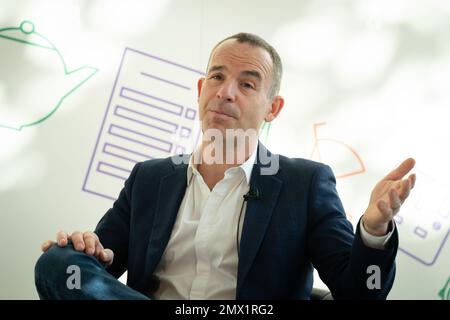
column 216, row 229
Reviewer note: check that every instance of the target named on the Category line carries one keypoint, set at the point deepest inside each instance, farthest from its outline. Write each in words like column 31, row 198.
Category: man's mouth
column 221, row 114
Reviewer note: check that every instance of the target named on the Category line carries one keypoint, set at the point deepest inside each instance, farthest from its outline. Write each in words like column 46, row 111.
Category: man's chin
column 218, row 126
column 219, row 131
column 216, row 131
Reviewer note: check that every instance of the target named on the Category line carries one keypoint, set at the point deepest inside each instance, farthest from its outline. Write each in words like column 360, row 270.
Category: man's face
column 234, row 93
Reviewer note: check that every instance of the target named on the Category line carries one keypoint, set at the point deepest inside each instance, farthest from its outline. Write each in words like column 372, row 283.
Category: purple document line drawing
column 105, row 150
column 435, row 256
column 169, row 124
column 111, row 127
column 101, row 163
column 190, row 114
column 398, row 219
column 444, row 210
column 436, row 225
column 164, row 80
column 128, row 150
column 421, row 205
column 166, row 61
column 171, row 105
column 127, row 49
column 421, row 232
column 185, row 132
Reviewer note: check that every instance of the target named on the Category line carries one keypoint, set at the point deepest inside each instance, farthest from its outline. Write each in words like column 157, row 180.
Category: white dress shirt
column 201, row 259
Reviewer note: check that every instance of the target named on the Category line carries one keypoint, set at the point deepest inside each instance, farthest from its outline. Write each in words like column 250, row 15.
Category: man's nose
column 227, row 91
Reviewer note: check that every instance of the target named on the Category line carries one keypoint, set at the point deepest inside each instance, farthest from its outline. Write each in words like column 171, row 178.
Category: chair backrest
column 321, row 294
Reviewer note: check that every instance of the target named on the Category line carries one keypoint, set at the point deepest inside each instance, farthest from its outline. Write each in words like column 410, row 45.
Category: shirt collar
column 246, row 167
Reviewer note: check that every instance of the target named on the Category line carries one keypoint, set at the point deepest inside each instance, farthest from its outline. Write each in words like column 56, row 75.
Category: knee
column 54, row 261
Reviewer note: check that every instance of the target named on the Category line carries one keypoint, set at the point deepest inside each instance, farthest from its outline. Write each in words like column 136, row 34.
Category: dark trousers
column 67, row 274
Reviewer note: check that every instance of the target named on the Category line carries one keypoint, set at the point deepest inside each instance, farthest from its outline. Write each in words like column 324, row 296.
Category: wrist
column 377, row 231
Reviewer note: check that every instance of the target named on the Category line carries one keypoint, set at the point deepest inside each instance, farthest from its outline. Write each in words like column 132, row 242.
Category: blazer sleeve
column 114, row 227
column 340, row 257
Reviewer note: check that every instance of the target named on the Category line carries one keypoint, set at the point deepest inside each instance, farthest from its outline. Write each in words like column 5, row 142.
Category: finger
column 89, row 241
column 412, row 179
column 384, row 208
column 107, row 256
column 61, row 238
column 98, row 250
column 394, row 200
column 401, row 170
column 405, row 189
column 78, row 242
column 46, row 245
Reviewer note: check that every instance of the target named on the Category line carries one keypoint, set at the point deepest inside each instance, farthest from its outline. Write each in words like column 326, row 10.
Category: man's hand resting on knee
column 87, row 242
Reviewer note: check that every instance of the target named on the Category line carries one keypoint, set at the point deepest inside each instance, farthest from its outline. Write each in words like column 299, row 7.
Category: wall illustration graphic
column 424, row 222
column 365, row 86
column 31, row 66
column 151, row 114
column 444, row 293
column 328, row 150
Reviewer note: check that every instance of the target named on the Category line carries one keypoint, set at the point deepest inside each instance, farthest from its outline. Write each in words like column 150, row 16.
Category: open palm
column 387, row 198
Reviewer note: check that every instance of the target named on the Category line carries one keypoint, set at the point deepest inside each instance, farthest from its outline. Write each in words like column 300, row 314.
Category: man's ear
column 199, row 87
column 275, row 108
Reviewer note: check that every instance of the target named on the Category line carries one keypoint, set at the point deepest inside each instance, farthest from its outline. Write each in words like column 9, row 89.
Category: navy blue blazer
column 298, row 222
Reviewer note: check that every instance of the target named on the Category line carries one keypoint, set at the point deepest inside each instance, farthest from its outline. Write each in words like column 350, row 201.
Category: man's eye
column 247, row 85
column 216, row 77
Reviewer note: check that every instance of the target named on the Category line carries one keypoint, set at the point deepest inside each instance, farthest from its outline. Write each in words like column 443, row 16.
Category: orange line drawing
column 316, row 150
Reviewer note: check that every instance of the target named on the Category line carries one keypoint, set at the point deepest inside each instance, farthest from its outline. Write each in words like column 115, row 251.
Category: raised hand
column 387, row 198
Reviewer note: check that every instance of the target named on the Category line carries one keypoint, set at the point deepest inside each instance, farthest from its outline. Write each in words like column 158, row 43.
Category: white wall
column 376, row 72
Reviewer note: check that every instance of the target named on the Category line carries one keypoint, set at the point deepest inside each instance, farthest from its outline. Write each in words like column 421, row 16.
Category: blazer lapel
column 257, row 216
column 171, row 191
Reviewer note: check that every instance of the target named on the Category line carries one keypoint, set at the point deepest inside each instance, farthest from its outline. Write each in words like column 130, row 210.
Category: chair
column 321, row 294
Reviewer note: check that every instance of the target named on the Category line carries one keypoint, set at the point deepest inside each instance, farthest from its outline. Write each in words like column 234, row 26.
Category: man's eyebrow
column 251, row 73
column 216, row 68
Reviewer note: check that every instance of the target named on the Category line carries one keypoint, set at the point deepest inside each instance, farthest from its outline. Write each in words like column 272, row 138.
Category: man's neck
column 213, row 165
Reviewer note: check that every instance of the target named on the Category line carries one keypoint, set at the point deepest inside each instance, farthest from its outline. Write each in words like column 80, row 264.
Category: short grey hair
column 259, row 42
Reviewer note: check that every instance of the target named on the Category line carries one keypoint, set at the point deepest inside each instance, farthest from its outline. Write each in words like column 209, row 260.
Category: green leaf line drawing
column 444, row 293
